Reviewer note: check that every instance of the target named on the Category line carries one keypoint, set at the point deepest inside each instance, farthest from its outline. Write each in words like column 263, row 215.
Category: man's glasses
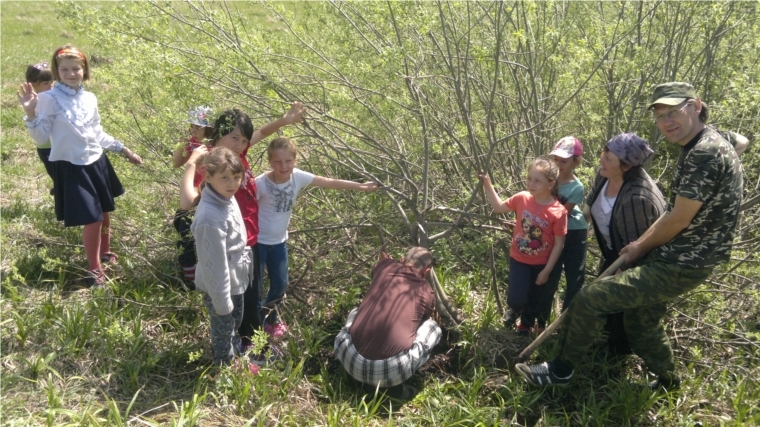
column 670, row 115
column 41, row 66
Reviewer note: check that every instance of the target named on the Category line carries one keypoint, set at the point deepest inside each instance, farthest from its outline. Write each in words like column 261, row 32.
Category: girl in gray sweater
column 224, row 262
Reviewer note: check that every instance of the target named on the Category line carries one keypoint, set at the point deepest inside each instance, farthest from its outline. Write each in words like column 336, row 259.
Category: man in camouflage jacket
column 681, row 248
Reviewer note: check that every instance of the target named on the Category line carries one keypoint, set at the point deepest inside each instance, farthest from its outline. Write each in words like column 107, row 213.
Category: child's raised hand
column 27, row 97
column 369, row 186
column 199, row 151
column 295, row 114
column 483, row 177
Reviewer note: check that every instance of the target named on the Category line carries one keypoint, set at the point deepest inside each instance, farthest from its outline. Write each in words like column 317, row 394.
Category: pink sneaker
column 278, row 330
column 252, row 367
column 108, row 257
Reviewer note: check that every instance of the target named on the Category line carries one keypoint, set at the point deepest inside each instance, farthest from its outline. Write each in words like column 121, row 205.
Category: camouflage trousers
column 224, row 339
column 642, row 293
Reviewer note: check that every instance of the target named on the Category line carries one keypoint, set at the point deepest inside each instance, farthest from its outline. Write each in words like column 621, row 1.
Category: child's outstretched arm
column 340, row 184
column 110, row 143
column 294, row 115
column 188, row 194
column 131, row 156
column 543, row 276
column 496, row 203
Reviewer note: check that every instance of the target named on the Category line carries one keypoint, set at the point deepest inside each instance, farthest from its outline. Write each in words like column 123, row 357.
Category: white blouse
column 601, row 211
column 69, row 119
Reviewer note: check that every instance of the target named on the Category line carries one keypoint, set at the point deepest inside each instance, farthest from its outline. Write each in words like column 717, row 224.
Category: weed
column 38, row 364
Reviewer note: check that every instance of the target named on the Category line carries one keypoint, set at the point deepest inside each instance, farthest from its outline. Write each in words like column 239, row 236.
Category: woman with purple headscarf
column 624, row 201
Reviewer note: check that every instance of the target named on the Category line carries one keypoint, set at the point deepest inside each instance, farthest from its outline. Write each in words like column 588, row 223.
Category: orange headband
column 65, row 50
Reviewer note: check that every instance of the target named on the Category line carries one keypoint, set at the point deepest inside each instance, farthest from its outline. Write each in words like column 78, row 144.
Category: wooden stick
column 525, row 354
column 446, row 310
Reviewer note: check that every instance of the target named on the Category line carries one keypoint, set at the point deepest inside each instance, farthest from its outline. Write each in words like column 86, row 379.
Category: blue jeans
column 523, row 293
column 275, row 259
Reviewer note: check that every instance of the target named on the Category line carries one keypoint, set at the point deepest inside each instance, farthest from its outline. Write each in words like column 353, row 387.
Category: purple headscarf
column 630, row 149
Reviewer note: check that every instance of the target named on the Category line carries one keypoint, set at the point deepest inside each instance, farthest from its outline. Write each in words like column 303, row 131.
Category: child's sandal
column 94, row 279
column 108, row 257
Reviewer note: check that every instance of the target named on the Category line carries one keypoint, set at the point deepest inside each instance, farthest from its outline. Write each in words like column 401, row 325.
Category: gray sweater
column 225, row 264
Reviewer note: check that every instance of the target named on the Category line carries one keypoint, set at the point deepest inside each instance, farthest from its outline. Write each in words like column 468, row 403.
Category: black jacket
column 638, row 205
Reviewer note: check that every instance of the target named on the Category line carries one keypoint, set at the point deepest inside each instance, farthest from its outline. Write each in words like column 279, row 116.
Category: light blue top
column 573, row 191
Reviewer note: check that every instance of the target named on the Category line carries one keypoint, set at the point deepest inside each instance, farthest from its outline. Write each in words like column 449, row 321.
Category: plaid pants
column 393, row 370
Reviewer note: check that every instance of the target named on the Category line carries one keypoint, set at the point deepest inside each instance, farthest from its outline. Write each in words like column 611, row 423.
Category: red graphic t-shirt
column 535, row 228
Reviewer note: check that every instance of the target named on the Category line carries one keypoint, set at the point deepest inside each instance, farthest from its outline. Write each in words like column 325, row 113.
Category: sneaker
column 510, row 317
column 94, row 278
column 244, row 348
column 108, row 257
column 252, row 367
column 278, row 330
column 523, row 330
column 541, row 375
column 266, row 357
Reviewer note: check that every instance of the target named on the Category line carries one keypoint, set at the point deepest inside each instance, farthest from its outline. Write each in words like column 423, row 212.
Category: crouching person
column 390, row 335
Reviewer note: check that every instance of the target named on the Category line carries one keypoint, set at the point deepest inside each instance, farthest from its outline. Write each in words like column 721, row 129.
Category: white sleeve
column 211, row 246
column 302, row 179
column 105, row 140
column 42, row 125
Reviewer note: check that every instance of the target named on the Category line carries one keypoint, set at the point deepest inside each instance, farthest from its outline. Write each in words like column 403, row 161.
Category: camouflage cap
column 672, row 93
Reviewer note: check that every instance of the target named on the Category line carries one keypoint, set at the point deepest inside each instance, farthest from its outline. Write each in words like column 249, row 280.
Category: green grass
column 137, row 352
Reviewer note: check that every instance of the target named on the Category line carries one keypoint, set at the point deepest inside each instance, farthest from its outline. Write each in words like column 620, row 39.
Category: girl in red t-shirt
column 536, row 244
